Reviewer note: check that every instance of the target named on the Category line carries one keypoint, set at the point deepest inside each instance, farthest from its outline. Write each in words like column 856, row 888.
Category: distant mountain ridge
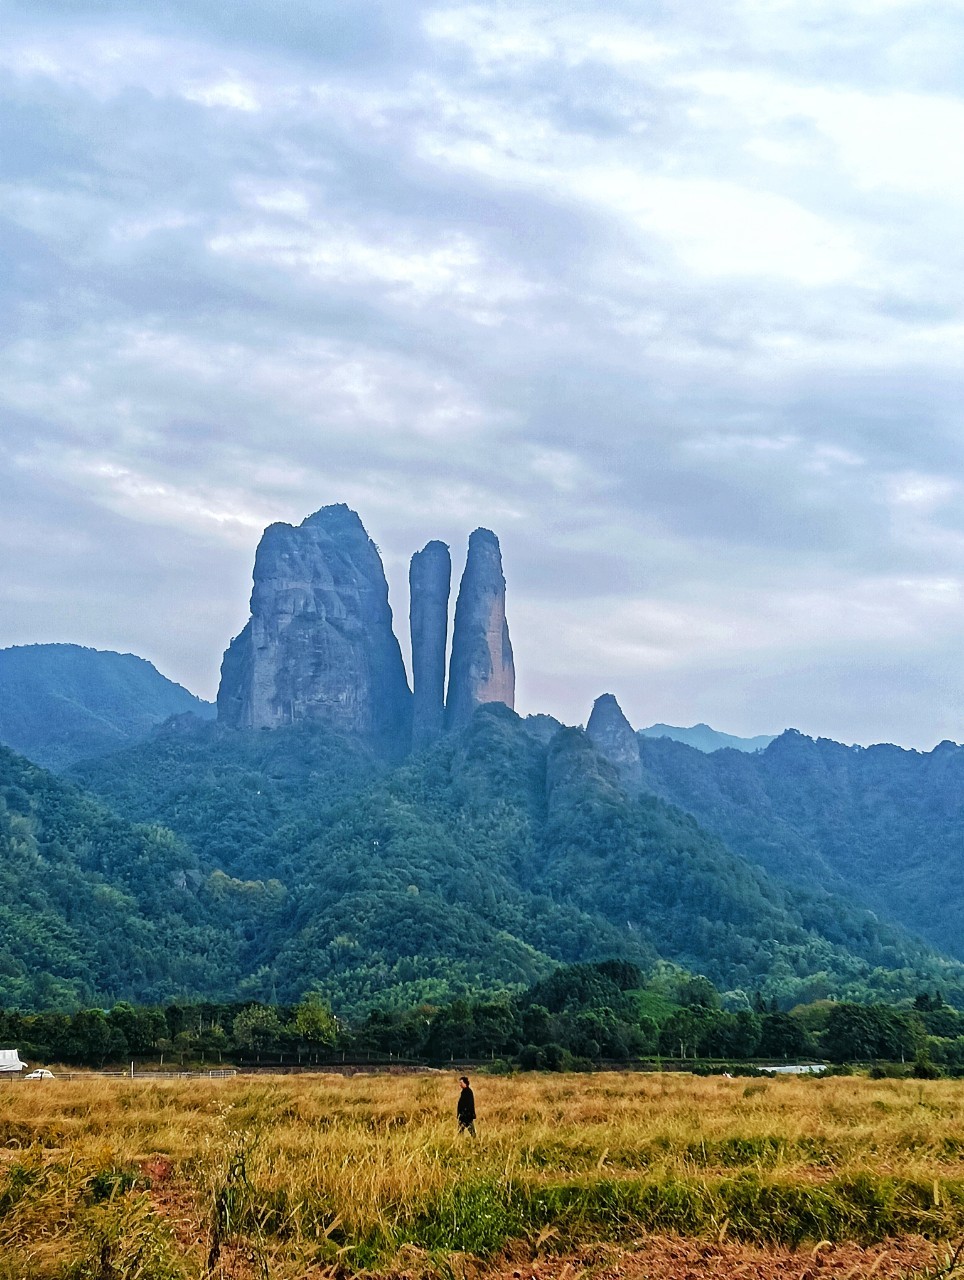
column 63, row 702
column 703, row 738
column 882, row 825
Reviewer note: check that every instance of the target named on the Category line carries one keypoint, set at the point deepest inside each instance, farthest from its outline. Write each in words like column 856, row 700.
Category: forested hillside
column 880, row 825
column 62, row 702
column 92, row 907
column 480, row 863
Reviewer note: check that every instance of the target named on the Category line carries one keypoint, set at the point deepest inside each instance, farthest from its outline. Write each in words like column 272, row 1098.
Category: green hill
column 881, row 825
column 60, row 702
column 480, row 864
column 93, row 908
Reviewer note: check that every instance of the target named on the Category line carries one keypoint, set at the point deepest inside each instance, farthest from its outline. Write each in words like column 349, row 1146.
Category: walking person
column 465, row 1109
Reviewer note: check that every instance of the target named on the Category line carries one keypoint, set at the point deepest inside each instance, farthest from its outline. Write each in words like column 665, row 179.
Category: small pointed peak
column 607, row 702
column 613, row 735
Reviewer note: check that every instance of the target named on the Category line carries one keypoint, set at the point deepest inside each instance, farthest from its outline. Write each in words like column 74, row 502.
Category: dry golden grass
column 292, row 1176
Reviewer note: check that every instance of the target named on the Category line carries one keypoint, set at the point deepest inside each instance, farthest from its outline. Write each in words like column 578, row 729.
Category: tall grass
column 127, row 1179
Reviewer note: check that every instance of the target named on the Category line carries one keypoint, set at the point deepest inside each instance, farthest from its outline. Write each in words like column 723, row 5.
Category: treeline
column 579, row 1017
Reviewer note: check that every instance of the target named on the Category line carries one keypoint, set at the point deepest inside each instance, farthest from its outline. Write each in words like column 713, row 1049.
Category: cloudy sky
column 669, row 295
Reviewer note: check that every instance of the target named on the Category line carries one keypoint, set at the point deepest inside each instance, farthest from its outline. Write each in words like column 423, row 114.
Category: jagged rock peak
column 613, row 735
column 319, row 645
column 481, row 667
column 430, row 582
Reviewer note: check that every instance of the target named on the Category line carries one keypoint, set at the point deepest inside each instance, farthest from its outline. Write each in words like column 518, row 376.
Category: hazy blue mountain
column 703, row 738
column 61, row 702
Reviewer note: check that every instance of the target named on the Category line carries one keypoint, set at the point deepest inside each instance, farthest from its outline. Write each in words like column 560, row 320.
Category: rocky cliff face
column 481, row 667
column 430, row 581
column 319, row 645
column 613, row 735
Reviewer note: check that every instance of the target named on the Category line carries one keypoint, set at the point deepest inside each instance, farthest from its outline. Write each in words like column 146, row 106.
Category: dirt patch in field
column 660, row 1258
column 174, row 1202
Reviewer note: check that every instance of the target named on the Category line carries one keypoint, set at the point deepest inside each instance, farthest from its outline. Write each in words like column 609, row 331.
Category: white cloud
column 672, row 301
column 233, row 94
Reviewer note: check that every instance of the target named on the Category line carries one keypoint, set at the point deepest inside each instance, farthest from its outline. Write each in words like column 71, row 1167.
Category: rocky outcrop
column 612, row 734
column 319, row 645
column 542, row 727
column 430, row 581
column 481, row 667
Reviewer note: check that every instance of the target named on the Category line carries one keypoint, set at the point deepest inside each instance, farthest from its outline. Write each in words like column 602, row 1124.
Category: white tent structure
column 10, row 1061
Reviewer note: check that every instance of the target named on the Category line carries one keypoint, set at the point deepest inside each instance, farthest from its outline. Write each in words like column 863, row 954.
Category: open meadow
column 606, row 1175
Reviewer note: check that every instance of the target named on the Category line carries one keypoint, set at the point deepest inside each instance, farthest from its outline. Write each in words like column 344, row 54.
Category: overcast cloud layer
column 669, row 295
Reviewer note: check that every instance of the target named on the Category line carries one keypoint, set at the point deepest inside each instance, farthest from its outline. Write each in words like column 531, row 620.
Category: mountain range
column 703, row 738
column 335, row 829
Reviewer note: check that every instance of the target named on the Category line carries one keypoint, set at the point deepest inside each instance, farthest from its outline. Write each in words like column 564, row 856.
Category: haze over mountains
column 703, row 738
column 62, row 702
column 337, row 828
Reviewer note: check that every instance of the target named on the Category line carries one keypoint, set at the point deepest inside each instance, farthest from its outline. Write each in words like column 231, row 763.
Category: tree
column 89, row 1038
column 452, row 1032
column 314, row 1021
column 698, row 992
column 782, row 1036
column 257, row 1027
column 861, row 1032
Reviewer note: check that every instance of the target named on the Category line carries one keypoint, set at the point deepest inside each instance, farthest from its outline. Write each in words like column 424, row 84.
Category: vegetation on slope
column 61, row 702
column 479, row 864
column 94, row 907
column 880, row 825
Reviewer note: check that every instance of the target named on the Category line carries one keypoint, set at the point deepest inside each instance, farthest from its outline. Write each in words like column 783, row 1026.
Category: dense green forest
column 579, row 1016
column 879, row 825
column 93, row 907
column 475, row 867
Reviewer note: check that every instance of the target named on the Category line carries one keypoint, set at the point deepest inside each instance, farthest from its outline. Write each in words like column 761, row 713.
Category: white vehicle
column 42, row 1074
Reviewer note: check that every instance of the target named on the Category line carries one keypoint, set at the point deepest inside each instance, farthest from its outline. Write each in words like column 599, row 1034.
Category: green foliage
column 314, row 1022
column 92, row 907
column 878, row 826
column 291, row 861
column 858, row 1033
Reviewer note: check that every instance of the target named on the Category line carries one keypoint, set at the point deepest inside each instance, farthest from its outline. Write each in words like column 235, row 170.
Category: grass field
column 318, row 1175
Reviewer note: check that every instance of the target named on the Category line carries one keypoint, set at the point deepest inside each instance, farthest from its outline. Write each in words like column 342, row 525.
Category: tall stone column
column 430, row 582
column 481, row 667
column 319, row 644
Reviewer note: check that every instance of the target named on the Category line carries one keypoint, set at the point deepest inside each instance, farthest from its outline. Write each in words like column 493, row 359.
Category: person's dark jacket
column 466, row 1106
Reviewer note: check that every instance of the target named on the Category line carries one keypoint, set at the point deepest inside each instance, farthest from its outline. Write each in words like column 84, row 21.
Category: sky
column 669, row 295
